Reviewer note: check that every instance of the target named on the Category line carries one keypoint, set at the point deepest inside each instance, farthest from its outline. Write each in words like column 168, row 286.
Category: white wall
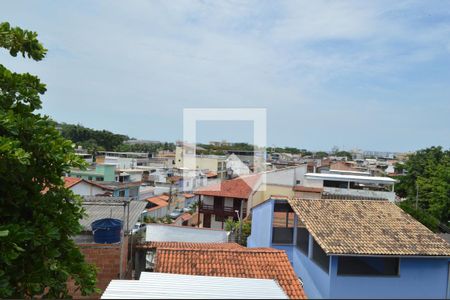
column 86, row 189
column 287, row 176
column 157, row 213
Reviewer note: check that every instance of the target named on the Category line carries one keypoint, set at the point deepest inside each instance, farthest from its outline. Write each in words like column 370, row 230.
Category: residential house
column 354, row 248
column 102, row 172
column 157, row 206
column 227, row 260
column 123, row 160
column 120, row 189
column 352, row 185
column 185, row 158
column 129, row 174
column 189, row 199
column 229, row 198
column 236, row 167
column 153, row 285
column 84, row 187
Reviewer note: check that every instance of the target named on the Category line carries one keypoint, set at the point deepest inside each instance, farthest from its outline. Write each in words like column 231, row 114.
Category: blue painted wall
column 419, row 277
column 261, row 235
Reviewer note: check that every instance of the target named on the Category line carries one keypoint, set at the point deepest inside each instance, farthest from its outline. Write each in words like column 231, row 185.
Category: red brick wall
column 106, row 257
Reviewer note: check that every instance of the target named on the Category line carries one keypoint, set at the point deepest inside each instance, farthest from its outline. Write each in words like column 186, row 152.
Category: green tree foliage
column 344, row 153
column 150, row 148
column 234, row 226
column 429, row 170
column 91, row 139
column 426, row 219
column 38, row 215
column 320, row 154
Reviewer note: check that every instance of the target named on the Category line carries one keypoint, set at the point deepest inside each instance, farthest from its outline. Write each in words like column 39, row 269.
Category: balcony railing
column 226, row 210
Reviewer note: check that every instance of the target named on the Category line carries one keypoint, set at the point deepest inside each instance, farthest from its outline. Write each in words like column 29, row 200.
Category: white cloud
column 152, row 58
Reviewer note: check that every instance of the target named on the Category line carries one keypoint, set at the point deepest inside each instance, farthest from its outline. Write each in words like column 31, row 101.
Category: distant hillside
column 91, row 139
column 98, row 140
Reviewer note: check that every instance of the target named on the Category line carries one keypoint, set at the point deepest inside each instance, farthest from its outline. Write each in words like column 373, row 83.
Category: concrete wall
column 86, row 189
column 157, row 213
column 261, row 235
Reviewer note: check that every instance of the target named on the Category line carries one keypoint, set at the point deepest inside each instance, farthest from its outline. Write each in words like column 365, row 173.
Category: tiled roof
column 240, row 187
column 189, row 245
column 367, row 227
column 71, row 181
column 211, row 174
column 263, row 263
column 334, row 196
column 184, row 217
column 187, row 195
column 300, row 188
column 159, row 200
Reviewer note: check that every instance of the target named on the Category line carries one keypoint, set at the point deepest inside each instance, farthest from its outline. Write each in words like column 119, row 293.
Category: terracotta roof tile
column 158, row 200
column 185, row 216
column 189, row 245
column 367, row 227
column 71, row 181
column 240, row 187
column 211, row 174
column 262, row 263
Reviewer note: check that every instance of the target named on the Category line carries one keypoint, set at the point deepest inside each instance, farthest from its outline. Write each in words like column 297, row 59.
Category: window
column 122, row 193
column 320, row 257
column 218, row 218
column 283, row 224
column 371, row 266
column 89, row 177
column 302, row 238
column 335, row 184
column 297, row 182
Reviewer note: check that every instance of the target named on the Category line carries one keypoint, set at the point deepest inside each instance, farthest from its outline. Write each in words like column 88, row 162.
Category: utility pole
column 241, row 221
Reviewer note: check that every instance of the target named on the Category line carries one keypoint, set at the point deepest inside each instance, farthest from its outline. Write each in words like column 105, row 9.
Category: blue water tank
column 106, row 231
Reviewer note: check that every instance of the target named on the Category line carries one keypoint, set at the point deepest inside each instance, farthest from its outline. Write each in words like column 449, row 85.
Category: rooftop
column 71, row 181
column 367, row 227
column 161, row 200
column 262, row 263
column 240, row 187
column 175, row 286
column 189, row 245
column 111, row 207
column 172, row 233
column 352, row 178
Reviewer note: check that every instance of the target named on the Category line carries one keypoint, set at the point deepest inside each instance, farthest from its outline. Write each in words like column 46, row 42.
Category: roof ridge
column 343, row 200
column 241, row 250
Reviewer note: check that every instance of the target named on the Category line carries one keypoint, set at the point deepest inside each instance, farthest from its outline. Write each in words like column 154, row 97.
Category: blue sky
column 372, row 75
